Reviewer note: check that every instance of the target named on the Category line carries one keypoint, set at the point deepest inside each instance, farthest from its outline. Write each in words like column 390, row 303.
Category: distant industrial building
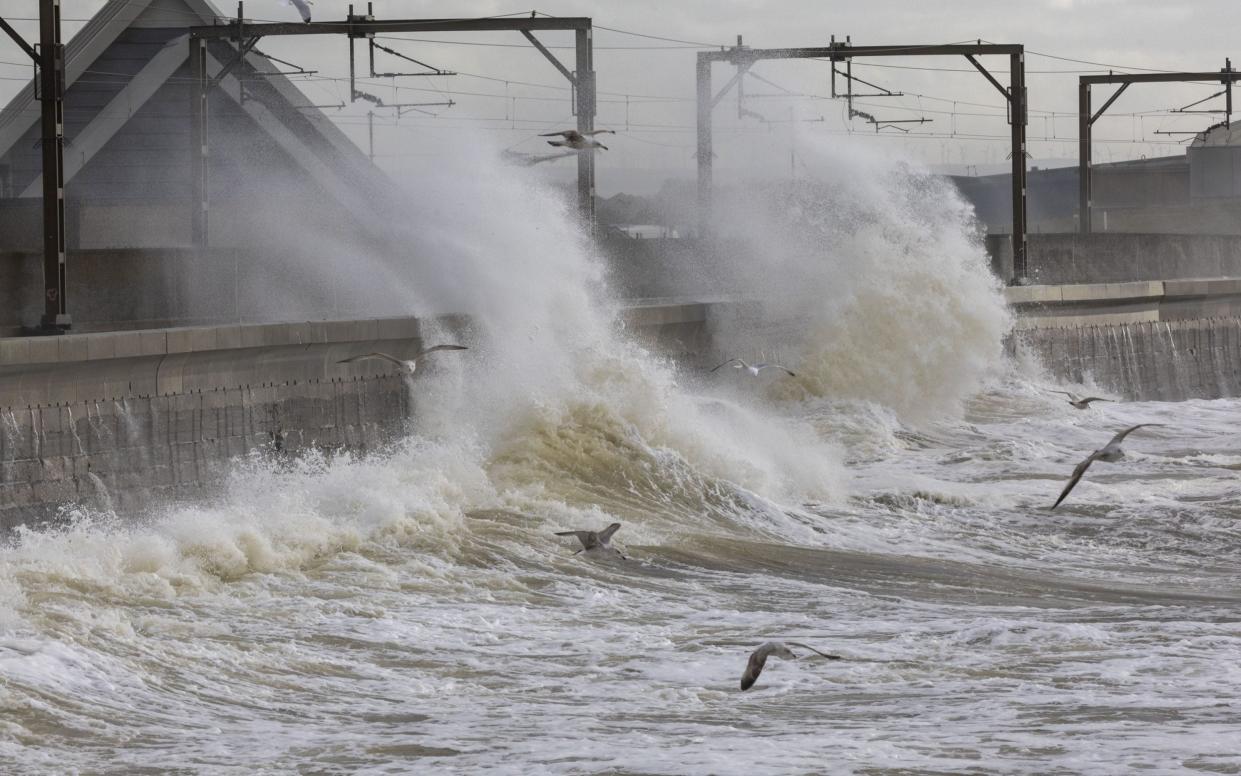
column 1198, row 192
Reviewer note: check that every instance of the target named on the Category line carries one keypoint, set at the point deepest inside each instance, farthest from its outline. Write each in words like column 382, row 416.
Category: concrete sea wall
column 134, row 418
column 1153, row 360
column 1165, row 340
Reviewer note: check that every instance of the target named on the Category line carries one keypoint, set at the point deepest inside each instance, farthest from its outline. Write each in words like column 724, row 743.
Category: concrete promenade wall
column 1165, row 340
column 1153, row 360
column 134, row 418
column 127, row 419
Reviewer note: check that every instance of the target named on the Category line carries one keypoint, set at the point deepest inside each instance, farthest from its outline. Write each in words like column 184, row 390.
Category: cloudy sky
column 507, row 92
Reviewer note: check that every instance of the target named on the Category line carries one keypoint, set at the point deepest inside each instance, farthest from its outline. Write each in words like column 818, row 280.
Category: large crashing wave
column 554, row 413
column 874, row 277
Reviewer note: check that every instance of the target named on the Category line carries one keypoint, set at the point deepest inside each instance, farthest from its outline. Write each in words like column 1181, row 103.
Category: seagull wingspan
column 753, row 668
column 568, row 134
column 440, row 347
column 726, row 363
column 303, row 7
column 812, row 649
column 585, row 537
column 365, row 356
column 786, row 370
column 1077, row 475
column 1119, row 437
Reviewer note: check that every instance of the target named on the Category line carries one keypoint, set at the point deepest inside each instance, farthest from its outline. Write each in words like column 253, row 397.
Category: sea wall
column 1147, row 361
column 131, row 419
column 1166, row 340
column 134, row 418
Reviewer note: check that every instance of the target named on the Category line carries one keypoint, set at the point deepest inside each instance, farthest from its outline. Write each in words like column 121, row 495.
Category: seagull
column 595, row 540
column 758, row 659
column 1111, row 453
column 303, row 7
column 578, row 140
column 1080, row 402
column 754, row 369
column 409, row 365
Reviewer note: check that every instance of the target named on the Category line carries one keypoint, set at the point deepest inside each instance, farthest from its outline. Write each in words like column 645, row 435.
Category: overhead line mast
column 743, row 57
column 49, row 58
column 245, row 35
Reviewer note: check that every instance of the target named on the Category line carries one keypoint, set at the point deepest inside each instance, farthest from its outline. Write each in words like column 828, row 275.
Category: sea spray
column 73, row 428
column 12, row 433
column 546, row 349
column 871, row 271
column 102, row 497
column 412, row 611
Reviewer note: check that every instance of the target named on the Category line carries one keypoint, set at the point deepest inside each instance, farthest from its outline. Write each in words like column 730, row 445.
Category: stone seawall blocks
column 1152, row 361
column 151, row 449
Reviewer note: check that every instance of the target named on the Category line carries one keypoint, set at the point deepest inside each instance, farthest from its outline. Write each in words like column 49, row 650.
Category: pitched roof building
column 127, row 105
column 294, row 202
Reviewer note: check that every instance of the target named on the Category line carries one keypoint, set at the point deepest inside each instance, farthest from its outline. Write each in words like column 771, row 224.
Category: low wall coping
column 1141, row 290
column 95, row 346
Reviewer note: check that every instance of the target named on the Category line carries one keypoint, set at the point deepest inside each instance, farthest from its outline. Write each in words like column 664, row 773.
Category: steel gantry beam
column 244, row 35
column 1086, row 118
column 742, row 58
column 50, row 91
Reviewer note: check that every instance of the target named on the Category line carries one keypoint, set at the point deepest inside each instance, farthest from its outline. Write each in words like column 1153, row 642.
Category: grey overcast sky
column 508, row 91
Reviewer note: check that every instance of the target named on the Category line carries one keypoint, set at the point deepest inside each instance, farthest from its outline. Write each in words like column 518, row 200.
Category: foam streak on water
column 412, row 611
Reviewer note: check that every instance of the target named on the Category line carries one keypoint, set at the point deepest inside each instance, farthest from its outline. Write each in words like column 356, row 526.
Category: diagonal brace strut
column 550, row 57
column 989, row 77
column 1109, row 102
column 742, row 69
column 19, row 40
column 242, row 51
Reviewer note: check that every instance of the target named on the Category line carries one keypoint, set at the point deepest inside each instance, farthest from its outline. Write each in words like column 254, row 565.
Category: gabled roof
column 92, row 40
column 309, row 137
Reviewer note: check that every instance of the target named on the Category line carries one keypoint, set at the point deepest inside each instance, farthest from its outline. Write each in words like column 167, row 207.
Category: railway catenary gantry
column 245, row 35
column 743, row 57
column 49, row 58
column 1086, row 119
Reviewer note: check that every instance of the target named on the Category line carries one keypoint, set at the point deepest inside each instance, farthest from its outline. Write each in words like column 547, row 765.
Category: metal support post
column 1017, row 85
column 1228, row 94
column 52, row 89
column 704, row 145
column 1086, row 119
column 585, row 109
column 1083, row 158
column 366, row 26
column 198, row 143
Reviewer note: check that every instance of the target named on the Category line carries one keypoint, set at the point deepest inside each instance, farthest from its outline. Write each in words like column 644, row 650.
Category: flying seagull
column 595, row 540
column 410, row 365
column 754, row 369
column 1079, row 402
column 578, row 140
column 303, row 7
column 780, row 649
column 1111, row 453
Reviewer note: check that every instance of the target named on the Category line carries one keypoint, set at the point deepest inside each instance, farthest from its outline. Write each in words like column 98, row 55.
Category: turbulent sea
column 412, row 611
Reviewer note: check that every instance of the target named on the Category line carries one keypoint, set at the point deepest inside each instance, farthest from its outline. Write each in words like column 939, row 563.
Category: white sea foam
column 411, row 610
